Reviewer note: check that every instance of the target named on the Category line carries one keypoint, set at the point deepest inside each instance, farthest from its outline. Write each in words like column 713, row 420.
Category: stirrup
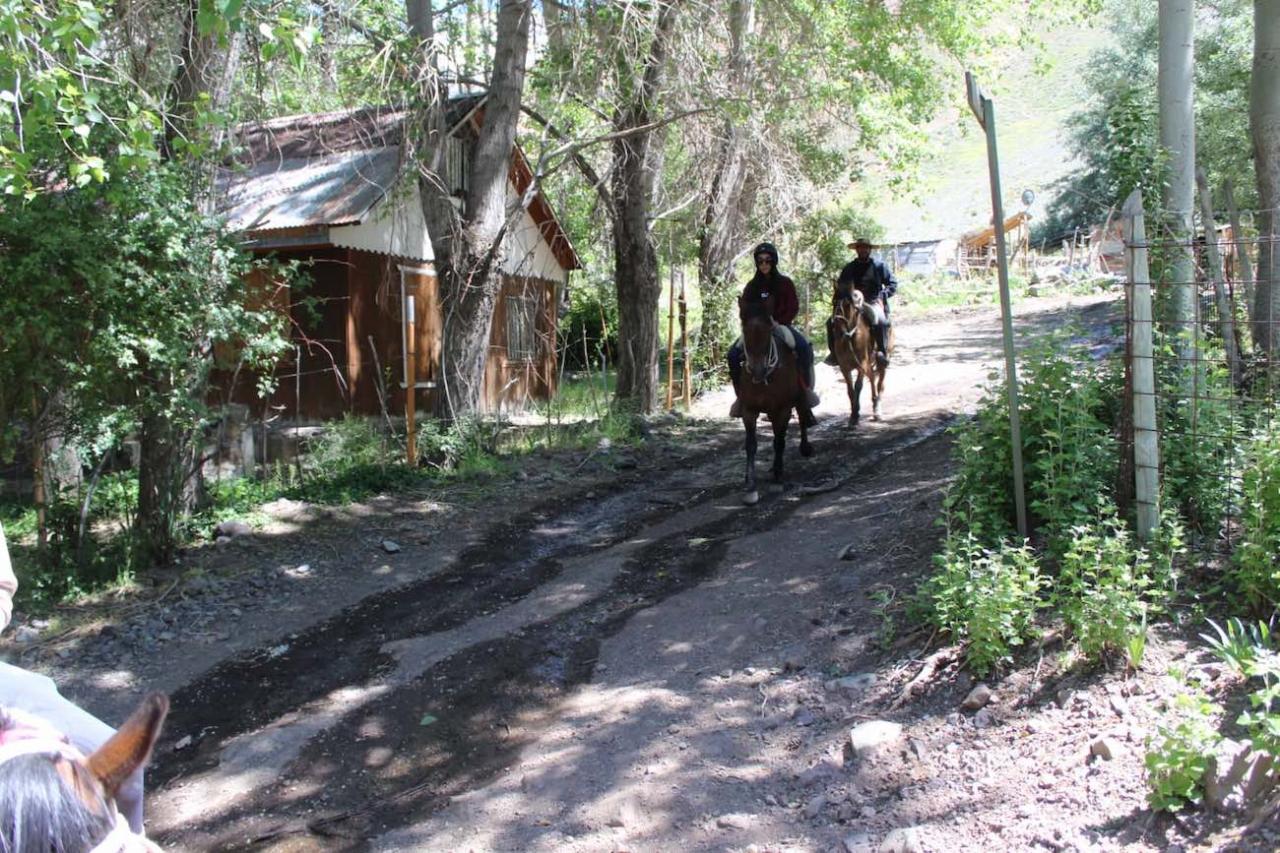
column 735, row 411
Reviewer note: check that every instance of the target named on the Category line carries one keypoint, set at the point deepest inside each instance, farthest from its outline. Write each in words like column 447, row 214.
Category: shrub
column 1179, row 753
column 1255, row 567
column 985, row 597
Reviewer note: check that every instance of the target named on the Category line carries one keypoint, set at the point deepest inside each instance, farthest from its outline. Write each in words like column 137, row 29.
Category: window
column 522, row 326
column 457, row 165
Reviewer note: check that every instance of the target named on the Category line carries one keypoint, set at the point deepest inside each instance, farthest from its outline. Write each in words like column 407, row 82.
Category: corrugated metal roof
column 336, row 189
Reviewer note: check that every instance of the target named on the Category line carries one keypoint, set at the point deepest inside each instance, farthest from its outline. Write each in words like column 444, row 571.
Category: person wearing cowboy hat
column 876, row 284
column 766, row 283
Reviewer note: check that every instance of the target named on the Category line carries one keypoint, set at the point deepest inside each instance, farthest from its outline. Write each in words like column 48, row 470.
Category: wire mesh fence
column 1211, row 326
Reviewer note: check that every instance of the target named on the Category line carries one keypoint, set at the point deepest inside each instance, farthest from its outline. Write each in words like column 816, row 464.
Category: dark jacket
column 870, row 277
column 783, row 290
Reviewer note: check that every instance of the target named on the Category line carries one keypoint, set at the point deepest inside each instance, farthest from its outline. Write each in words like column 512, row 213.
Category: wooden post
column 1146, row 441
column 1226, row 312
column 671, row 336
column 411, row 392
column 686, row 373
column 1245, row 263
column 985, row 111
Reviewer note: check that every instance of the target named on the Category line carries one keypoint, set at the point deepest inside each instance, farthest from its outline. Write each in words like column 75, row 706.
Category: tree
column 1264, row 123
column 1176, row 86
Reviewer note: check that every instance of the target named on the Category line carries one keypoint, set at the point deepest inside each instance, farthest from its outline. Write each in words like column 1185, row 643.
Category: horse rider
column 38, row 696
column 765, row 283
column 876, row 283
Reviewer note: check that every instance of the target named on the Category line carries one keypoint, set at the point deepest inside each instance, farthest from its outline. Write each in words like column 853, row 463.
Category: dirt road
column 639, row 662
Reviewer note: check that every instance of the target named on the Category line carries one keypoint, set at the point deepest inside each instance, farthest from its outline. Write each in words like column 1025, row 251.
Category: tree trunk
column 206, row 68
column 729, row 202
column 1176, row 84
column 166, row 456
column 470, row 266
column 635, row 260
column 1264, row 125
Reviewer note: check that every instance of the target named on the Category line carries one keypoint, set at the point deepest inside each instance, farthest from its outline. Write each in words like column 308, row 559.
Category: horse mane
column 754, row 309
column 39, row 810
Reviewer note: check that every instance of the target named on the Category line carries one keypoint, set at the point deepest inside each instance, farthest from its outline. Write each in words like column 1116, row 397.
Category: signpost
column 984, row 110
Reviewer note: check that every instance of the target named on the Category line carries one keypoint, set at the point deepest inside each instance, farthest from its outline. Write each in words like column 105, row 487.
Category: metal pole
column 411, row 431
column 985, row 112
column 1146, row 439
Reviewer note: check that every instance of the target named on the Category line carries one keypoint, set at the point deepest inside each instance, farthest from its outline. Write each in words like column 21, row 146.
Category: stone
column 869, row 736
column 794, row 658
column 815, row 806
column 978, row 697
column 232, row 528
column 1226, row 772
column 852, row 684
column 984, row 719
column 902, row 840
column 390, row 546
column 859, row 842
column 918, row 748
column 1105, row 748
column 803, row 717
column 733, row 821
column 26, row 634
column 819, row 772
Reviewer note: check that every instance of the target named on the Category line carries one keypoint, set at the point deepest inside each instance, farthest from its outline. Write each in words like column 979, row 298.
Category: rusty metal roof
column 297, row 192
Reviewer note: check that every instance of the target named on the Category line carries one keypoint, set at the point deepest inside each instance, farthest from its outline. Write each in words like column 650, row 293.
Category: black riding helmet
column 766, row 249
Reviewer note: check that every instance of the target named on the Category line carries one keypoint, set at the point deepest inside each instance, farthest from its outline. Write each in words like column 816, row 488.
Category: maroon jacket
column 783, row 290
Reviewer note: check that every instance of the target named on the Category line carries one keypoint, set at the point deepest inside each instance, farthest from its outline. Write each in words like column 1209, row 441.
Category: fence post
column 1226, row 311
column 984, row 110
column 1146, row 442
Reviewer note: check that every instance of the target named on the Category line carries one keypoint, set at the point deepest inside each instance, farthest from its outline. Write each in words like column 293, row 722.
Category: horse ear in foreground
column 769, row 386
column 52, row 798
column 856, row 352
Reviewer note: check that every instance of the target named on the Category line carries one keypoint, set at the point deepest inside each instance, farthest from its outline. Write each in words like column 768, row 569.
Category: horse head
column 848, row 308
column 759, row 347
column 52, row 797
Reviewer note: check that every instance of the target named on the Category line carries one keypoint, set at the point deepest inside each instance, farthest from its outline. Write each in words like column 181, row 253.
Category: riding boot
column 882, row 354
column 831, row 346
column 806, row 378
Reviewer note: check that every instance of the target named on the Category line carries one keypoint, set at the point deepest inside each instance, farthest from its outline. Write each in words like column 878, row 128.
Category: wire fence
column 1213, row 331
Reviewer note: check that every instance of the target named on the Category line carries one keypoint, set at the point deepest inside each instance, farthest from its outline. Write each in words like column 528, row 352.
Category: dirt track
column 638, row 663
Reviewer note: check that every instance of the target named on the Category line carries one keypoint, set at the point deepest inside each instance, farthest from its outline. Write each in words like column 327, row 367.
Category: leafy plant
column 1255, row 565
column 1179, row 753
column 984, row 597
column 1250, row 651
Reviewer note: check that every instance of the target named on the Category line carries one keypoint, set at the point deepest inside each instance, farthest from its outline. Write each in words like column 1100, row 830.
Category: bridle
column 771, row 363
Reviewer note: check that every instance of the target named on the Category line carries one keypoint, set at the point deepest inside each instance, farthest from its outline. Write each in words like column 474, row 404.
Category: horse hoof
column 751, row 498
column 806, row 450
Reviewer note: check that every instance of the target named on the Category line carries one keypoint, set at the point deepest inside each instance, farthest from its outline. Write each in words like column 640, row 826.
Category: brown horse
column 54, row 798
column 769, row 386
column 856, row 350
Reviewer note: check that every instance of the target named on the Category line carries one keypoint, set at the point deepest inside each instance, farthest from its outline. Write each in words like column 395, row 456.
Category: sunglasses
column 763, row 259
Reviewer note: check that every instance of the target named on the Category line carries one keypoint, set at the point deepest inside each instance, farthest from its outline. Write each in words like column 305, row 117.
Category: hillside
column 1032, row 106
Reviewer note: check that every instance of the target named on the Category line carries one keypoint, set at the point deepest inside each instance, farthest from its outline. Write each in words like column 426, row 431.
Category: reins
column 770, row 365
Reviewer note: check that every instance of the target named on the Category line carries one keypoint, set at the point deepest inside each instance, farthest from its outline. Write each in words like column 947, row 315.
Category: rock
column 734, row 821
column 815, row 806
column 978, row 698
column 918, row 749
column 1105, row 748
column 859, row 842
column 232, row 528
column 867, row 737
column 794, row 658
column 1232, row 774
column 902, row 840
column 867, row 812
column 819, row 772
column 803, row 717
column 26, row 634
column 390, row 546
column 852, row 684
column 984, row 719
column 183, row 742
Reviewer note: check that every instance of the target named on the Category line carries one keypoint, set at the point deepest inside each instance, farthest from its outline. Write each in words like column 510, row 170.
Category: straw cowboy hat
column 855, row 242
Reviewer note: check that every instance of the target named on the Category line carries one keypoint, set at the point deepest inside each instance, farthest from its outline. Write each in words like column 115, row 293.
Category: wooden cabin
column 337, row 193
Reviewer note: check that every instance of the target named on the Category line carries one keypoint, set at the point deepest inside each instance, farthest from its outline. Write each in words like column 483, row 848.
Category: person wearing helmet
column 876, row 283
column 768, row 282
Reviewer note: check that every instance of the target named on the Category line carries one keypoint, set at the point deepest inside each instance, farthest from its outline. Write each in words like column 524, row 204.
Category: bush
column 1255, row 566
column 985, row 597
column 1179, row 753
column 1103, row 587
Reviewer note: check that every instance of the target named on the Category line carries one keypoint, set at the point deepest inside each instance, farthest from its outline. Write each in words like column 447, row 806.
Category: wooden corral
column 977, row 252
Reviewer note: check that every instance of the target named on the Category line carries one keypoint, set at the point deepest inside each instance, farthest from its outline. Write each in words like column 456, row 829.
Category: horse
column 54, row 798
column 856, row 350
column 769, row 386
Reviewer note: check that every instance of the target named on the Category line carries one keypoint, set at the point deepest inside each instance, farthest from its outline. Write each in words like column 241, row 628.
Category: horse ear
column 130, row 747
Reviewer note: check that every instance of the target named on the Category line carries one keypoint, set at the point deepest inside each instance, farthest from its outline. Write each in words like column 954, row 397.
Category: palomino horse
column 769, row 386
column 53, row 798
column 856, row 350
